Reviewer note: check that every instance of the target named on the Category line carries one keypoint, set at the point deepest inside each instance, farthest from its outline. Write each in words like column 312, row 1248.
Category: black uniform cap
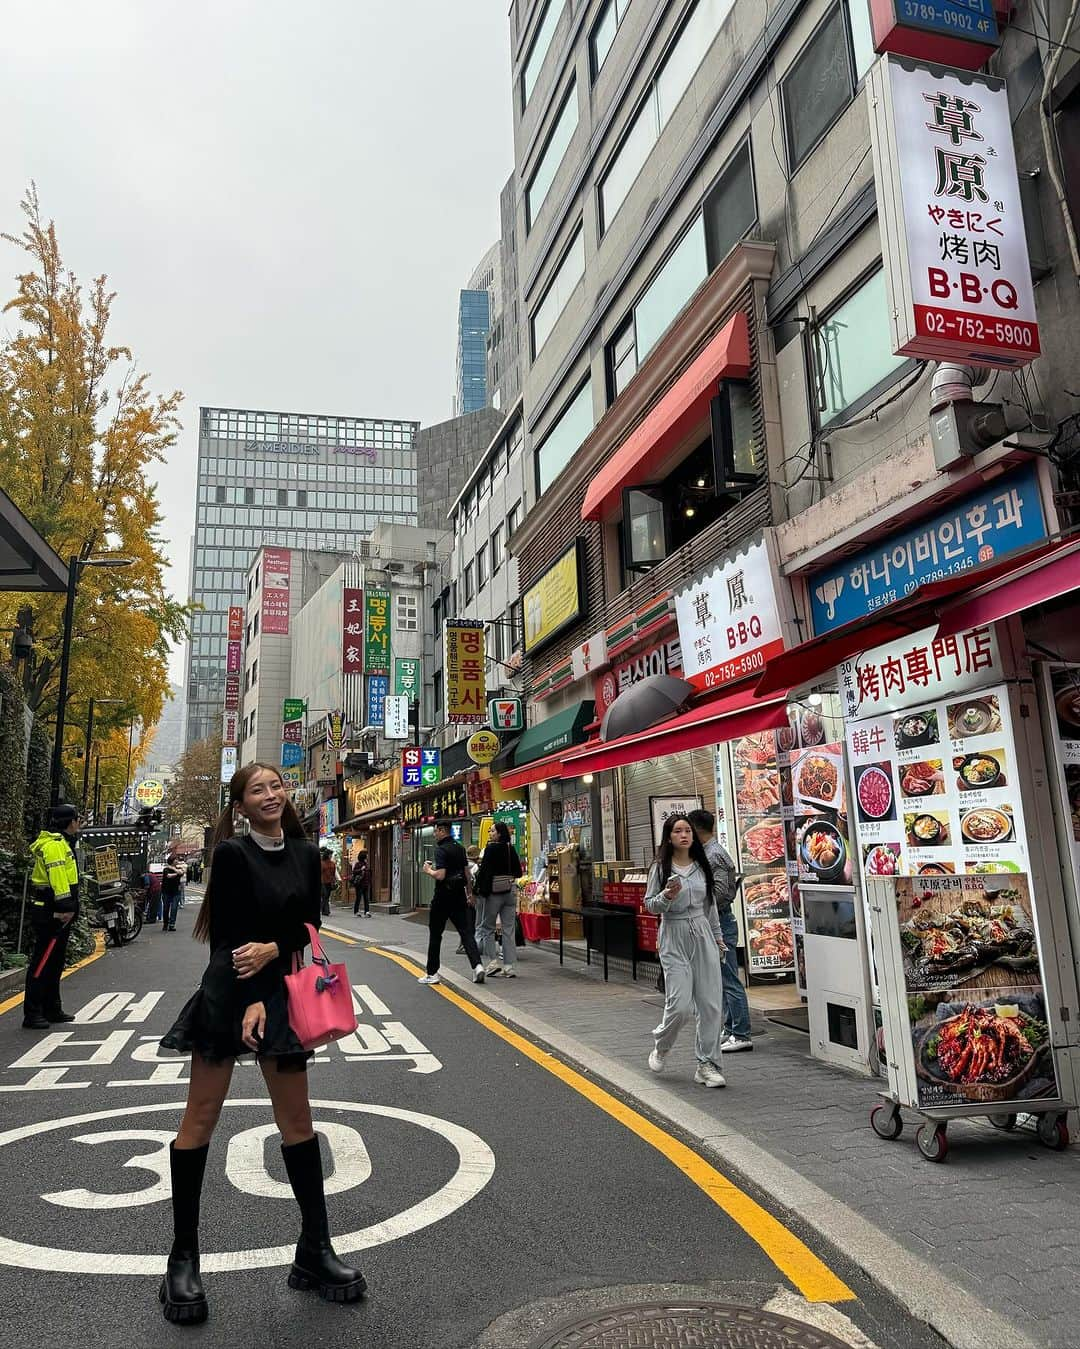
column 62, row 815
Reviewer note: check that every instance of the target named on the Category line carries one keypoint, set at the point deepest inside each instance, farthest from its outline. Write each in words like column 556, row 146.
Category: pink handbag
column 320, row 999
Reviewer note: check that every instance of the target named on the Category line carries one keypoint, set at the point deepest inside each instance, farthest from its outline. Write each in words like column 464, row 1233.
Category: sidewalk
column 985, row 1247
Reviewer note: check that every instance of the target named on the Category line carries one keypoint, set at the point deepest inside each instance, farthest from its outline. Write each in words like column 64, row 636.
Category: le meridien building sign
column 293, row 447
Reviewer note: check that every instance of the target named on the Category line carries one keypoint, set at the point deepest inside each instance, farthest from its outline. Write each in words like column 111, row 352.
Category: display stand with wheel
column 1049, row 1123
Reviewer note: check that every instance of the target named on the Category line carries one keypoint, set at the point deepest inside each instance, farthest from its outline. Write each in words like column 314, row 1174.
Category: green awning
column 564, row 729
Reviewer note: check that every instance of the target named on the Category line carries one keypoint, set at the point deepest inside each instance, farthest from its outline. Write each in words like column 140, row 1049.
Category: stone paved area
column 1001, row 1217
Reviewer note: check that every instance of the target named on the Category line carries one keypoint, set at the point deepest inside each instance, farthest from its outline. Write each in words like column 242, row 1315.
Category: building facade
column 295, row 480
column 446, row 454
column 479, row 304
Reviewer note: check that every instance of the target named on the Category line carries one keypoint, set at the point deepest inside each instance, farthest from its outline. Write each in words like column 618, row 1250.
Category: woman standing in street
column 263, row 889
column 680, row 889
column 495, row 885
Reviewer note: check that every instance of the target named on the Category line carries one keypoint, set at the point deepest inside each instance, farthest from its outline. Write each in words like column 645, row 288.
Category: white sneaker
column 494, row 969
column 429, row 979
column 656, row 1061
column 509, row 972
column 734, row 1044
column 478, row 975
column 709, row 1076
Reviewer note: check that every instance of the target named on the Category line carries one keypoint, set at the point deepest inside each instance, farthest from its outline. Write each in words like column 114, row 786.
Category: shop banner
column 377, row 688
column 292, row 754
column 1062, row 688
column 328, row 817
column 663, row 659
column 236, row 623
column 760, row 852
column 396, row 717
column 292, row 777
column 480, row 795
column 292, row 732
column 325, row 762
column 292, row 709
column 1001, row 517
column 276, row 580
column 590, row 656
column 957, row 269
column 377, row 633
column 464, row 664
column 974, row 1001
column 106, row 865
column 228, row 763
column 230, row 728
column 891, row 677
column 232, row 693
column 555, row 602
column 482, row 746
column 233, row 657
column 352, row 631
column 506, row 714
column 729, row 619
column 373, row 795
column 408, row 677
column 335, row 732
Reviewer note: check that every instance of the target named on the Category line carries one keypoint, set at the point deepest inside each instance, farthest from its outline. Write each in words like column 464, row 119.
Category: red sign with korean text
column 663, row 658
column 233, row 658
column 276, row 580
column 236, row 623
column 352, row 632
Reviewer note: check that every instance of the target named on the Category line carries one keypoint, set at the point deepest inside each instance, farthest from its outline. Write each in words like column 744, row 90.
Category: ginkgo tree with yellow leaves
column 80, row 432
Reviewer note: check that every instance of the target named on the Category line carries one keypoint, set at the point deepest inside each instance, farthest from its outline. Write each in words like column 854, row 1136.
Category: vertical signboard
column 377, row 633
column 236, row 622
column 230, row 725
column 957, row 269
column 408, row 677
column 335, row 732
column 377, row 688
column 352, row 631
column 396, row 717
column 276, row 579
column 233, row 659
column 464, row 664
column 228, row 762
column 232, row 693
column 412, row 767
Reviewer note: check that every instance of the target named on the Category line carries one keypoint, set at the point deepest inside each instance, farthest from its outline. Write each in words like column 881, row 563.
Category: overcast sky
column 287, row 195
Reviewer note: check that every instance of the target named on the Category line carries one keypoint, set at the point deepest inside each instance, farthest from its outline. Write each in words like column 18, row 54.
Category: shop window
column 853, row 350
column 818, row 88
column 551, row 156
column 565, row 438
column 731, row 207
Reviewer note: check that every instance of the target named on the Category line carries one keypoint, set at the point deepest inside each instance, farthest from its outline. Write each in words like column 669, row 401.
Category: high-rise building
column 294, row 480
column 478, row 305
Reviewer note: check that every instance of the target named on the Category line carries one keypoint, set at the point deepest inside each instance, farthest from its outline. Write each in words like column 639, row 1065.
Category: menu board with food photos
column 936, row 789
column 762, row 855
column 1062, row 687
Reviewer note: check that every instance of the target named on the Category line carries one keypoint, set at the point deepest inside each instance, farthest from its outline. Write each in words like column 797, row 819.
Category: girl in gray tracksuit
column 680, row 889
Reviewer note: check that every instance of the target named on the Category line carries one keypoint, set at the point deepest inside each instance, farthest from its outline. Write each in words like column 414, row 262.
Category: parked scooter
column 120, row 914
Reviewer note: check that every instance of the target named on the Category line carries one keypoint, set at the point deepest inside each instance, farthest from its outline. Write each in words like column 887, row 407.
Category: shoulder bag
column 320, row 999
column 502, row 883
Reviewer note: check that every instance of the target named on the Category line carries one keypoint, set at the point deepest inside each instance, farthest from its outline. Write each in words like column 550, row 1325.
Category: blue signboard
column 973, row 19
column 430, row 766
column 1000, row 517
column 291, row 754
column 378, row 686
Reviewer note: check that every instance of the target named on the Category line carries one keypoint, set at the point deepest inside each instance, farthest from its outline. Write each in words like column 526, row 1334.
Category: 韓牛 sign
column 730, row 623
column 956, row 261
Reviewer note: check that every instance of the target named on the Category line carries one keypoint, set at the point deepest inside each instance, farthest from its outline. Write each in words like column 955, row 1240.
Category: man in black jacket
column 450, row 903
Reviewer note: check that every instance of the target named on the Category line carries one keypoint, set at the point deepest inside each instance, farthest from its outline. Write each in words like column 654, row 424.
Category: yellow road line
column 810, row 1275
column 95, row 954
column 340, row 936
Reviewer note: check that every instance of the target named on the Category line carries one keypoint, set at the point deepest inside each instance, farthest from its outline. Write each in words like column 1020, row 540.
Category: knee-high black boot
column 316, row 1266
column 181, row 1289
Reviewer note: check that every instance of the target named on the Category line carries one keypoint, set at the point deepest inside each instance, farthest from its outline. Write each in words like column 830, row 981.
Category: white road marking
column 156, row 1162
column 245, row 1161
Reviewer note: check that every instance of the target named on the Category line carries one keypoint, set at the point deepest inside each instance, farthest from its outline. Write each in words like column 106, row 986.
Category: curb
column 956, row 1315
column 6, row 1005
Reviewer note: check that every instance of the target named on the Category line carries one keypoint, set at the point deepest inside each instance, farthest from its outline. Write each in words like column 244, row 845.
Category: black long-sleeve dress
column 257, row 895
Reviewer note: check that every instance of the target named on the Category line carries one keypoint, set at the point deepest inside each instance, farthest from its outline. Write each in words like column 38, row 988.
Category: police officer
column 54, row 905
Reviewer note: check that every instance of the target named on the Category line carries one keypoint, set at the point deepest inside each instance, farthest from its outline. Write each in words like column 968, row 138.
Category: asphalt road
column 479, row 1188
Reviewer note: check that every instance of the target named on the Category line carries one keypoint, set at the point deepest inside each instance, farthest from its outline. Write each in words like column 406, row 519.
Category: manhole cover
column 690, row 1325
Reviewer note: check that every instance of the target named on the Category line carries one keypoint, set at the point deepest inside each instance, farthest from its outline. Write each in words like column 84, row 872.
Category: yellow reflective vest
column 55, row 869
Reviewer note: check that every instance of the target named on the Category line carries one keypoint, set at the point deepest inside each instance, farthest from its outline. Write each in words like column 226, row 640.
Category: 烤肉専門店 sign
column 956, row 261
column 464, row 666
column 554, row 601
column 377, row 633
column 729, row 619
column 352, row 631
column 664, row 658
column 276, row 580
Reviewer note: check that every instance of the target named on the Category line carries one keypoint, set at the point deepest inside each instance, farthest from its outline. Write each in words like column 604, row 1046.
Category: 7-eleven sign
column 506, row 714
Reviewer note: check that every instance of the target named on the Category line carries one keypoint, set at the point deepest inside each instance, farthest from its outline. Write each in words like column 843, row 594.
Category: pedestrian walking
column 737, row 1038
column 450, row 903
column 171, row 879
column 495, row 887
column 328, row 878
column 361, row 882
column 681, row 890
column 264, row 889
column 54, row 906
column 472, row 852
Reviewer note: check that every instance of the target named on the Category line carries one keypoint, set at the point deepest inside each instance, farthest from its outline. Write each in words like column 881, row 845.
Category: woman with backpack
column 681, row 890
column 496, row 900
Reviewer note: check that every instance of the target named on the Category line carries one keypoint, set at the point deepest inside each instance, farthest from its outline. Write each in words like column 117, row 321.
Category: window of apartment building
column 545, row 31
column 282, row 496
column 730, row 207
column 853, row 349
column 569, row 272
column 481, row 569
column 603, row 33
column 301, row 497
column 468, row 583
column 254, row 672
column 513, row 519
column 496, row 550
column 251, row 724
column 862, row 38
column 255, row 625
column 565, row 438
column 685, row 54
column 248, row 634
column 406, row 612
column 551, row 156
column 249, row 496
column 247, row 680
column 817, row 88
column 517, row 625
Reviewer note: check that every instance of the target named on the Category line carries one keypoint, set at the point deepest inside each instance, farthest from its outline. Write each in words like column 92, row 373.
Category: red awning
column 921, row 609
column 543, row 770
column 1025, row 586
column 686, row 403
column 710, row 724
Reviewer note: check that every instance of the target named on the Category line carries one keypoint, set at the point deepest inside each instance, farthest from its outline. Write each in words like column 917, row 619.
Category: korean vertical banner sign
column 407, row 677
column 352, row 632
column 276, row 580
column 464, row 664
column 957, row 270
column 377, row 633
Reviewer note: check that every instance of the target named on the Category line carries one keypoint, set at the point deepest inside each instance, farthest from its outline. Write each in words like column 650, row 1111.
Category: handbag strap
column 318, row 956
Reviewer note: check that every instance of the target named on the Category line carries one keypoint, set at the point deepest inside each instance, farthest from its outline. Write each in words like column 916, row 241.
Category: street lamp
column 97, row 767
column 94, row 702
column 75, row 566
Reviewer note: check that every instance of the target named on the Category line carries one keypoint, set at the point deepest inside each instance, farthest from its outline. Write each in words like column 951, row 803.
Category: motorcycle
column 121, row 916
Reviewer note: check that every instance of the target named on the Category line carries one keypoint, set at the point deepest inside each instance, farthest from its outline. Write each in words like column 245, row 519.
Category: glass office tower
column 297, row 480
column 474, row 324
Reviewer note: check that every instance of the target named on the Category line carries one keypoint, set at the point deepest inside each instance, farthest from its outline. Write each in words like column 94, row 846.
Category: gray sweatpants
column 489, row 909
column 693, row 982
